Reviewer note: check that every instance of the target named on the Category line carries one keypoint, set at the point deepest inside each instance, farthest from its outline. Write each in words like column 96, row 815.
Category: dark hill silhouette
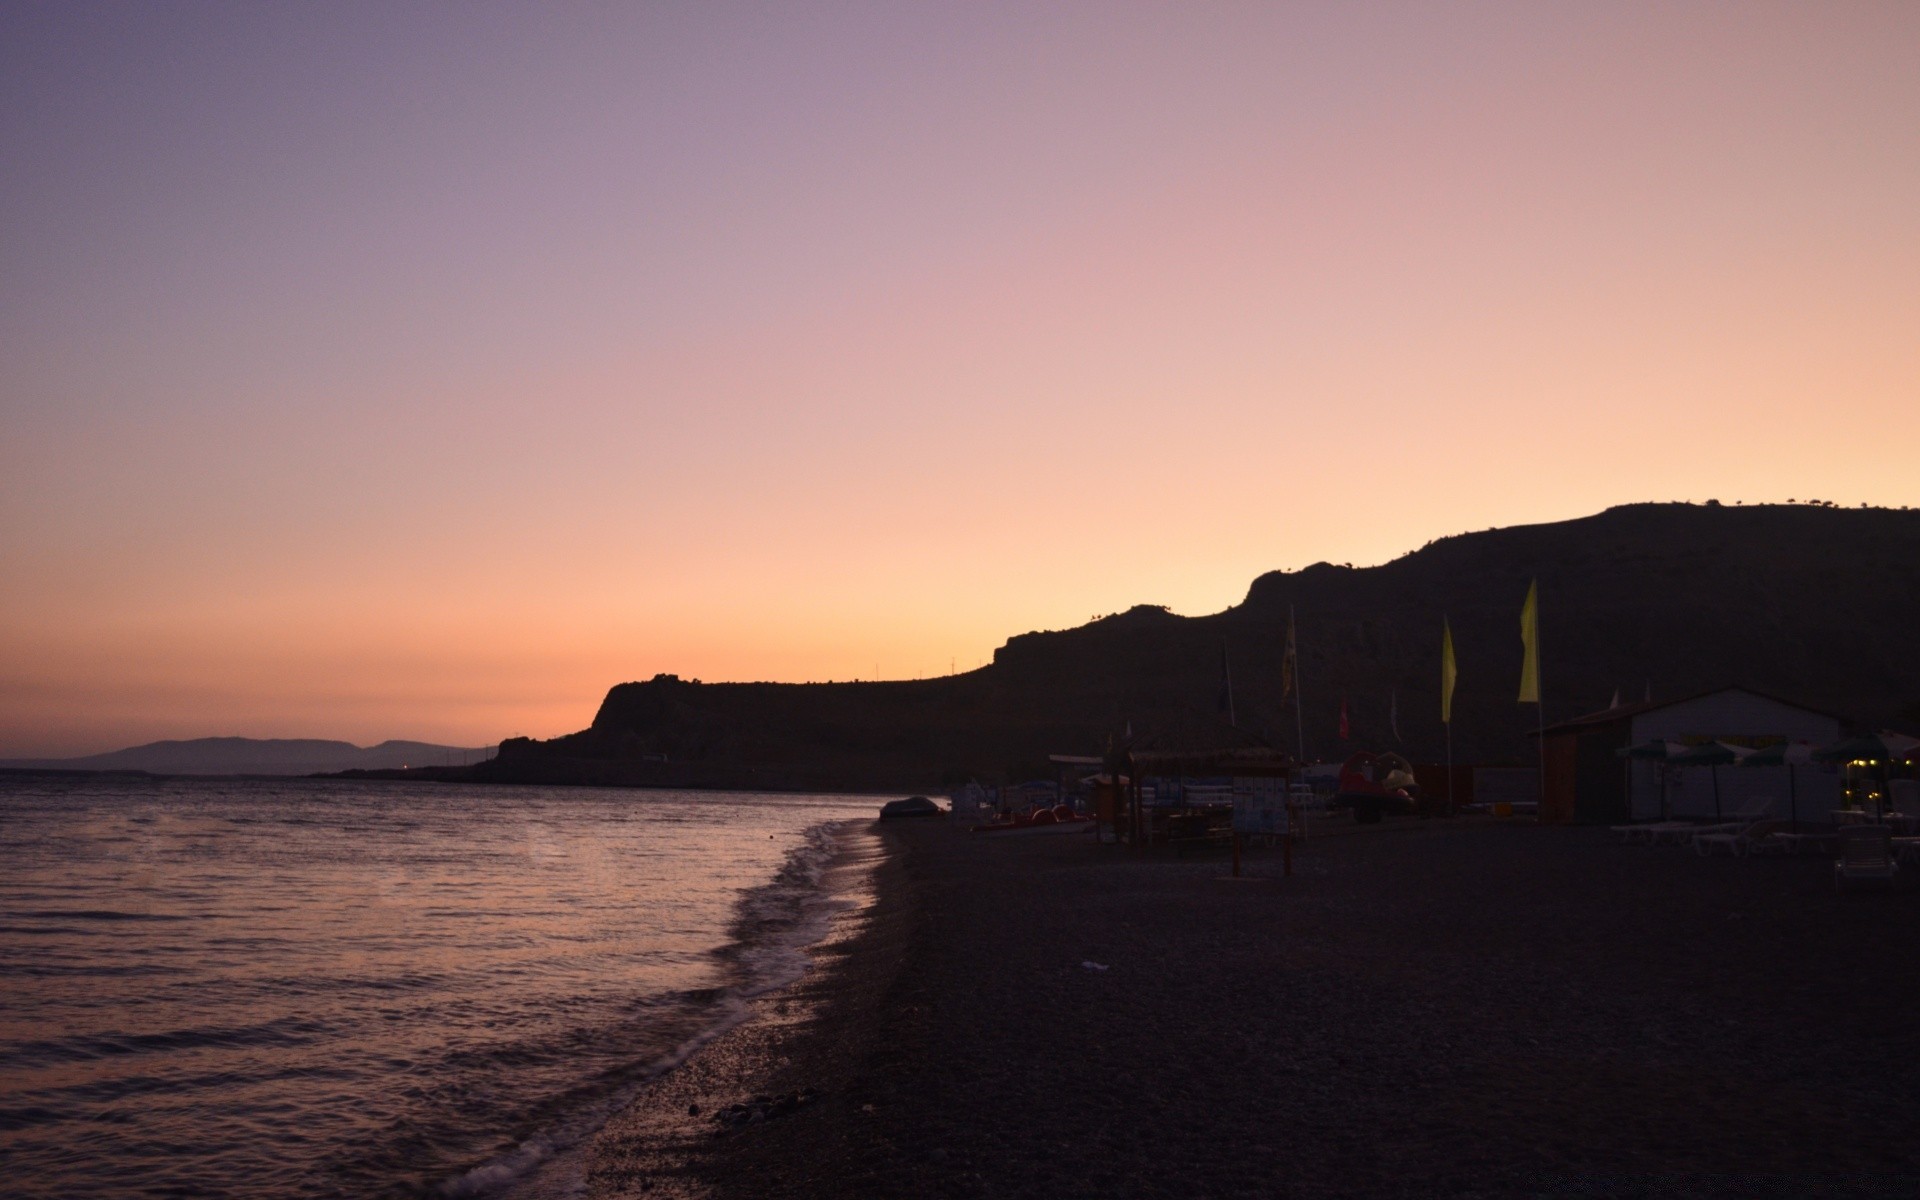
column 255, row 756
column 1816, row 604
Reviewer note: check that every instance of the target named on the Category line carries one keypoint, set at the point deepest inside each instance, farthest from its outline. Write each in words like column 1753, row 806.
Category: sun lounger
column 1651, row 832
column 1640, row 830
column 1799, row 843
column 1866, row 855
column 1736, row 839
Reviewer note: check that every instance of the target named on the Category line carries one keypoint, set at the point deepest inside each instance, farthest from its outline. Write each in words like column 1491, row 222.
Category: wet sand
column 1425, row 1008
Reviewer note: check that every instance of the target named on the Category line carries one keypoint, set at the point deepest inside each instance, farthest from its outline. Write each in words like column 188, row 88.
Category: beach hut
column 1585, row 781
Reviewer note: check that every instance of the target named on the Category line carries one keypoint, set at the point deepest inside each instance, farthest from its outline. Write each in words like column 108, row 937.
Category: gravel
column 1431, row 1008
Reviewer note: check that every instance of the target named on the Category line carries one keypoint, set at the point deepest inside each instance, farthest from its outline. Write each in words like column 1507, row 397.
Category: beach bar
column 1225, row 783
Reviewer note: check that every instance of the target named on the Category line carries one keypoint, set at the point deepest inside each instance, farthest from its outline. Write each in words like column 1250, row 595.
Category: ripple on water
column 305, row 988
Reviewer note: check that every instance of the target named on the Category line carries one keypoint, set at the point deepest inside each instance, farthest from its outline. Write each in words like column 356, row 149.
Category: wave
column 287, row 1031
column 98, row 914
column 773, row 927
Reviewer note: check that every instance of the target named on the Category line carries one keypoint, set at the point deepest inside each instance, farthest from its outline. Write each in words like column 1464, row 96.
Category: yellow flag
column 1449, row 673
column 1530, row 638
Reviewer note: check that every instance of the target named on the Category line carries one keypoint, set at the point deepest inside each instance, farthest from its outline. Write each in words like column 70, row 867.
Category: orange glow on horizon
column 808, row 348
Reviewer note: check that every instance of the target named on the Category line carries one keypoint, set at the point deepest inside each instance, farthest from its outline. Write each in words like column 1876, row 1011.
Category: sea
column 302, row 988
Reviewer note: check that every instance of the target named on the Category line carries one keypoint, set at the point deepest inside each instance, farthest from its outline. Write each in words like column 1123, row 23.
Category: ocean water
column 315, row 988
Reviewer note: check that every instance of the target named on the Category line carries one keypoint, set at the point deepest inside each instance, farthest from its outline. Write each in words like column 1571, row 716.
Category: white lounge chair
column 1649, row 831
column 1738, row 840
column 1866, row 853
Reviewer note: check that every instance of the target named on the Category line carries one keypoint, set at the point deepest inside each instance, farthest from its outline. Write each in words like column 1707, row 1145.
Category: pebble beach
column 1470, row 1008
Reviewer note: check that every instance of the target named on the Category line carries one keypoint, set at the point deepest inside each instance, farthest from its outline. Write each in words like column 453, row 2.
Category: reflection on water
column 306, row 988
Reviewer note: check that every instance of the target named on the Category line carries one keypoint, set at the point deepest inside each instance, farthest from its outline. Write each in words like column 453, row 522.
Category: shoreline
column 663, row 1142
column 1478, row 1009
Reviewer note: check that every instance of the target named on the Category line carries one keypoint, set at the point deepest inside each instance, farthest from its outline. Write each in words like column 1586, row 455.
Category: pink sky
column 372, row 372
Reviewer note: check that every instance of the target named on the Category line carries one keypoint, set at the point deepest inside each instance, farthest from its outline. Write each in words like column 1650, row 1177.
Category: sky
column 406, row 370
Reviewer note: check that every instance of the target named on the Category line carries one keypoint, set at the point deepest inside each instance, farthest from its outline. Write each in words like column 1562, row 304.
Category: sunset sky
column 396, row 370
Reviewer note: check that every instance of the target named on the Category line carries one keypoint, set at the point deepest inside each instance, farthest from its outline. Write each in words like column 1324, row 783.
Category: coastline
column 1433, row 1008
column 793, row 1039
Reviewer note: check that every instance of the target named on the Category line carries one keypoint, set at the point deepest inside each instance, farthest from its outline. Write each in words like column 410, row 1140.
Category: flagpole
column 1226, row 679
column 1231, row 718
column 1299, row 725
column 1540, row 712
column 1449, row 673
column 1530, row 679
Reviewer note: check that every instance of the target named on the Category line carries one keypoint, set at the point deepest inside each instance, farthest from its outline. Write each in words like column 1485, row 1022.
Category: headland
column 1806, row 602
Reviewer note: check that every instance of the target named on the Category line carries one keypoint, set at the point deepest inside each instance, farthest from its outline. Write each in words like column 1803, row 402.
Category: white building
column 1588, row 781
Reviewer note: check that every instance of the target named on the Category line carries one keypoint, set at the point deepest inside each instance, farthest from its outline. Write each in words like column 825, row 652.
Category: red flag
column 1344, row 733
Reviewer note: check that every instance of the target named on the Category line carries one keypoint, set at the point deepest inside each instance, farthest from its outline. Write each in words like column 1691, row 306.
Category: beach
column 1425, row 1008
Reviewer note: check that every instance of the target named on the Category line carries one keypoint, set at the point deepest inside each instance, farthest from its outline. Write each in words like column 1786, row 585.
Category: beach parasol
column 1711, row 755
column 1868, row 747
column 1788, row 755
column 1875, row 749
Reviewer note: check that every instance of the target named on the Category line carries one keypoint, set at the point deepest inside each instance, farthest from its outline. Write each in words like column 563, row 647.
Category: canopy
column 1654, row 749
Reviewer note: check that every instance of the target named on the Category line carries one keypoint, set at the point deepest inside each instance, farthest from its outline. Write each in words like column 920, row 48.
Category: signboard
column 1260, row 806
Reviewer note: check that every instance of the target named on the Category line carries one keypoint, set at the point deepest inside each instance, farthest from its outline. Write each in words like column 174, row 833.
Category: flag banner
column 1345, row 731
column 1289, row 662
column 1449, row 673
column 1530, row 639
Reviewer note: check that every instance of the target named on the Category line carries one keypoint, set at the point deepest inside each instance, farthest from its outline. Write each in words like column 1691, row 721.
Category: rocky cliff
column 1818, row 605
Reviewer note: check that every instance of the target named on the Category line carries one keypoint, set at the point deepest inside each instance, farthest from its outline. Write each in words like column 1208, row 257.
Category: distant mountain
column 1818, row 605
column 258, row 756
